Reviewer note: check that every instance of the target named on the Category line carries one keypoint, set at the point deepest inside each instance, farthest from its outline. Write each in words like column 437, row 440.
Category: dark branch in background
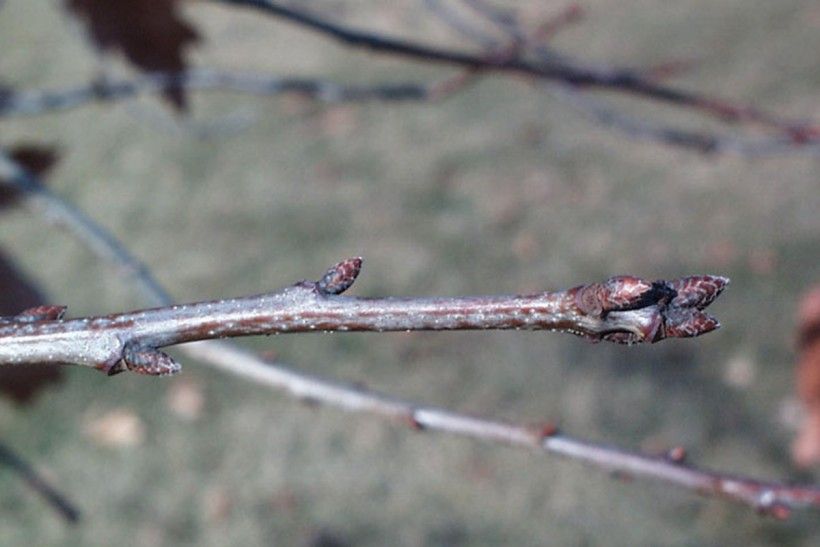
column 622, row 309
column 550, row 67
column 769, row 498
column 802, row 136
column 622, row 80
column 55, row 499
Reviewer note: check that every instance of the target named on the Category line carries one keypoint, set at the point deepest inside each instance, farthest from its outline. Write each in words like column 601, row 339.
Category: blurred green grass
column 497, row 189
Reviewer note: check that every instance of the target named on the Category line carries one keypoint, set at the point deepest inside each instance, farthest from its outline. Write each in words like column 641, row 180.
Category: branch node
column 40, row 313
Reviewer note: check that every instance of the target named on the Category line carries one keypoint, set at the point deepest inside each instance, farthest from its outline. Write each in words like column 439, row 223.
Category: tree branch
column 624, row 309
column 771, row 498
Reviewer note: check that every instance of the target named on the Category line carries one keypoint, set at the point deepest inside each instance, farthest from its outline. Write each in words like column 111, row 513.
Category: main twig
column 623, row 309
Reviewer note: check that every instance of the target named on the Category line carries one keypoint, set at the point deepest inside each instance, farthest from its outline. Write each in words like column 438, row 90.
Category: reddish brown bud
column 41, row 313
column 149, row 361
column 697, row 291
column 549, row 430
column 686, row 323
column 676, row 454
column 340, row 277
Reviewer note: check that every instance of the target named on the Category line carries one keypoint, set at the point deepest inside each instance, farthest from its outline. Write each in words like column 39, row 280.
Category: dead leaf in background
column 150, row 33
column 806, row 448
column 36, row 158
column 117, row 428
column 22, row 382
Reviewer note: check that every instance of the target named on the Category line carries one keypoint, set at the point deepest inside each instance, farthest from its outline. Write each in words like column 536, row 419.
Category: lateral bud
column 340, row 277
column 149, row 361
column 41, row 313
column 38, row 313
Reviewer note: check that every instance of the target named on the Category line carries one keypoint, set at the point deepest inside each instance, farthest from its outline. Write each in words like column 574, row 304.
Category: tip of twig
column 340, row 277
column 635, row 310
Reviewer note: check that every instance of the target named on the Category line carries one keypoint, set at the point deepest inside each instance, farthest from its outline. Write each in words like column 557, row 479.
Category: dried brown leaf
column 37, row 159
column 151, row 34
column 21, row 383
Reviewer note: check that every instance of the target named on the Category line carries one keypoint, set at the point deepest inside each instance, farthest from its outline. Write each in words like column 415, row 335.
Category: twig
column 27, row 103
column 769, row 498
column 622, row 309
column 36, row 482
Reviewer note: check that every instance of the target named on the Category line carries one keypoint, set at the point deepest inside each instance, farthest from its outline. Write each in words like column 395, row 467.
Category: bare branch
column 770, row 498
column 553, row 67
column 623, row 309
column 39, row 484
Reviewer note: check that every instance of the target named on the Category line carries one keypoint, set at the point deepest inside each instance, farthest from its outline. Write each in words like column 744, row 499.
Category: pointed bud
column 686, row 323
column 41, row 313
column 698, row 291
column 150, row 361
column 340, row 277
